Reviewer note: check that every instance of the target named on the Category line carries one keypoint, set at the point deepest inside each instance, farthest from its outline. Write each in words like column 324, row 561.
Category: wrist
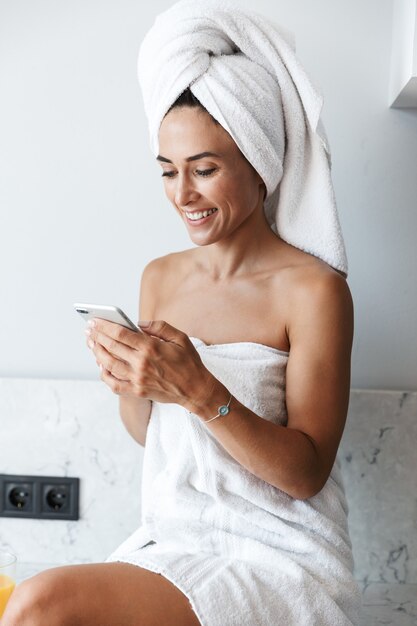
column 214, row 394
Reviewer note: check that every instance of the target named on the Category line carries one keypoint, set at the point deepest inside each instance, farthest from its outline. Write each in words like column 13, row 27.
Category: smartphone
column 105, row 312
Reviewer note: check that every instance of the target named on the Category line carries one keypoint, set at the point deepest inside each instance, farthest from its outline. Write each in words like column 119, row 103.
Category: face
column 195, row 181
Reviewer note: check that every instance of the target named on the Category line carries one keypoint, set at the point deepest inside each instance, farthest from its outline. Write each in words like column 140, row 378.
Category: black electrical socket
column 18, row 496
column 39, row 497
column 59, row 498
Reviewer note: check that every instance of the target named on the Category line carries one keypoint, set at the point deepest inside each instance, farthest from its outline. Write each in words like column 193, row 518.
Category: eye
column 205, row 172
column 170, row 174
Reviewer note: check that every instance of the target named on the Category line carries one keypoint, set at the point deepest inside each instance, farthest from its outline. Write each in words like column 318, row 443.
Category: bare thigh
column 109, row 594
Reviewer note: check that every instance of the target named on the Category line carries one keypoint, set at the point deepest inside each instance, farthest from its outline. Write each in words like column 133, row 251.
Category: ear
column 262, row 184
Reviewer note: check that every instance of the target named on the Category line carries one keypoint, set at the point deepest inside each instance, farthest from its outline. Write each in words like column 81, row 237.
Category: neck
column 245, row 251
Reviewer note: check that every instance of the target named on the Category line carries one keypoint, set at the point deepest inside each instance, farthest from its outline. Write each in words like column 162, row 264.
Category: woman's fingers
column 117, row 368
column 117, row 386
column 118, row 340
column 161, row 365
column 130, row 338
column 112, row 346
column 113, row 357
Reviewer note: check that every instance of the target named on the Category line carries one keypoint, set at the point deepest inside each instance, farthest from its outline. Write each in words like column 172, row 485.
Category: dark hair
column 188, row 99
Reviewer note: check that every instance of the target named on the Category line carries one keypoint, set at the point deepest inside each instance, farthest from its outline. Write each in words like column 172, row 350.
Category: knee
column 23, row 604
column 34, row 602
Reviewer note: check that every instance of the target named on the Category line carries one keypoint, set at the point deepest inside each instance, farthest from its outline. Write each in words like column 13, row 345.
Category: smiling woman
column 219, row 180
column 239, row 384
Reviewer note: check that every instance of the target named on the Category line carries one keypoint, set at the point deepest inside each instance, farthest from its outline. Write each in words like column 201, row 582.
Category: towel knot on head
column 243, row 69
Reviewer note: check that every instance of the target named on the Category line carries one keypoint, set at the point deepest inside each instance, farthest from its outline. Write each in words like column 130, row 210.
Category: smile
column 198, row 217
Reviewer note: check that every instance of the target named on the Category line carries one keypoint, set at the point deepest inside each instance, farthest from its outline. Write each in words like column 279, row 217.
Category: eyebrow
column 201, row 155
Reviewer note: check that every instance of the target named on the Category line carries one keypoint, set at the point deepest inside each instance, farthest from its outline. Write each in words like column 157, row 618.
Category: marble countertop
column 389, row 604
column 383, row 604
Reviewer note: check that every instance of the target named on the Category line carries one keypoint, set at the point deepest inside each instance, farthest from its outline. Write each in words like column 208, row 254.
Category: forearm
column 281, row 456
column 135, row 414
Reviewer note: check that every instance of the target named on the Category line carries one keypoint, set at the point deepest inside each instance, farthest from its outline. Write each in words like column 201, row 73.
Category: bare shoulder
column 320, row 308
column 317, row 281
column 151, row 281
column 310, row 292
column 162, row 267
column 156, row 281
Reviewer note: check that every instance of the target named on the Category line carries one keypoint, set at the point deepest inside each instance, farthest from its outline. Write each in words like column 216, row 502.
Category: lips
column 194, row 221
column 201, row 210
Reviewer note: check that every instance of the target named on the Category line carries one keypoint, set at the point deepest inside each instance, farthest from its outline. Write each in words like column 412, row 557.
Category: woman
column 240, row 383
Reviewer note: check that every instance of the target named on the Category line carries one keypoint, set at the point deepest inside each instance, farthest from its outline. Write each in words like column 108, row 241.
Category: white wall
column 81, row 196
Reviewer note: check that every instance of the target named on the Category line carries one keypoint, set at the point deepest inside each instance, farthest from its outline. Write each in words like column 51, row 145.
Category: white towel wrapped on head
column 243, row 69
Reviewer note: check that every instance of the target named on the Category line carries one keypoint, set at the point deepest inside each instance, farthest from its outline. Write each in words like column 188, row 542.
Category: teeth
column 200, row 214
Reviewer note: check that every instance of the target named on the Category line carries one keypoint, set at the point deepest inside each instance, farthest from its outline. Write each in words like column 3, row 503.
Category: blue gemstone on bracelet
column 223, row 410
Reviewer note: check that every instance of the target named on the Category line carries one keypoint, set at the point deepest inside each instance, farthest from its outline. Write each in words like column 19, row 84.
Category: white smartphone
column 105, row 312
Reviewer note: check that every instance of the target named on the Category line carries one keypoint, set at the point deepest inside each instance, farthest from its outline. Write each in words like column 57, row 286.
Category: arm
column 297, row 458
column 135, row 412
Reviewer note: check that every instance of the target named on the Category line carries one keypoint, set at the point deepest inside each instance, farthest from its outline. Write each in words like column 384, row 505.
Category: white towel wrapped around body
column 243, row 551
column 243, row 69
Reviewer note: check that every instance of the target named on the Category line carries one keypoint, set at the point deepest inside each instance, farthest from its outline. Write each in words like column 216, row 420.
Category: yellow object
column 7, row 585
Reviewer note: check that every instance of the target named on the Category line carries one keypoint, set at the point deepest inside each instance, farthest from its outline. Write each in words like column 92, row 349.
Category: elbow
column 311, row 488
column 306, row 494
column 308, row 488
column 314, row 478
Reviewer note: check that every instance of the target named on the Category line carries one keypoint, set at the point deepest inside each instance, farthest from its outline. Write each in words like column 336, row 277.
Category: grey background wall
column 82, row 207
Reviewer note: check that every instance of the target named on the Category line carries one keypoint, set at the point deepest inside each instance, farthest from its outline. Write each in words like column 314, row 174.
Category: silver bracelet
column 222, row 410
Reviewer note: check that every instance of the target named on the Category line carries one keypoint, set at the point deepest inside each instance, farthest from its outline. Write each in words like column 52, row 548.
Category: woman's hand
column 159, row 364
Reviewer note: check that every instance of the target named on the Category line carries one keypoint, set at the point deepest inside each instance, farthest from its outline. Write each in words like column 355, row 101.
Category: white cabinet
column 403, row 84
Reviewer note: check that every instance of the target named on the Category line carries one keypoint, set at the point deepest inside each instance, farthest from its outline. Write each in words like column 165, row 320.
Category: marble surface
column 70, row 428
column 389, row 604
column 379, row 468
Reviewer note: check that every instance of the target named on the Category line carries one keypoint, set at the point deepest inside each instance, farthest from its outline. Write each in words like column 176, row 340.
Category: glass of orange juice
column 7, row 577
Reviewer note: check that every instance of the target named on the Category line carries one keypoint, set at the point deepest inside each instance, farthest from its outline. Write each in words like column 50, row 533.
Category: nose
column 184, row 191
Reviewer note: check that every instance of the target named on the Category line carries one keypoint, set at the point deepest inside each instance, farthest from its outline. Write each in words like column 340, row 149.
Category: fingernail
column 91, row 323
column 144, row 324
column 90, row 343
